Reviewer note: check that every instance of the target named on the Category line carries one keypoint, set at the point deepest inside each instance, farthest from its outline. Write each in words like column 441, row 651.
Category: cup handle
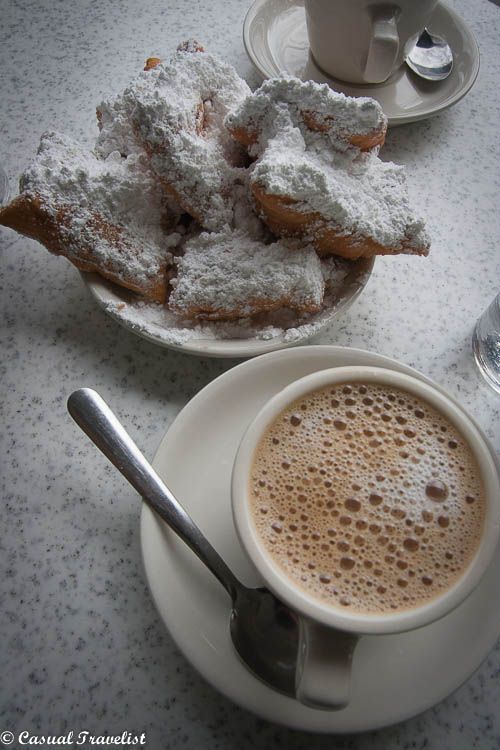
column 323, row 676
column 384, row 44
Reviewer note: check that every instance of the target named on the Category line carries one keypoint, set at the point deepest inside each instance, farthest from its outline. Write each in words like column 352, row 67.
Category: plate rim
column 224, row 348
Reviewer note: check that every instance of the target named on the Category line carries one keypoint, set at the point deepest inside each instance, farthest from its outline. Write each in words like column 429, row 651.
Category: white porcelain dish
column 154, row 323
column 275, row 38
column 394, row 676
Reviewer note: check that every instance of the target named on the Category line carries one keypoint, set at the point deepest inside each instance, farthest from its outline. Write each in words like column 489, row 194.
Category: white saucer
column 395, row 676
column 275, row 38
column 155, row 323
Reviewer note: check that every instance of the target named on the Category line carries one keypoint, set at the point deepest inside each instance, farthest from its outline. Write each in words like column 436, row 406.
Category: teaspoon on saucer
column 431, row 58
column 265, row 633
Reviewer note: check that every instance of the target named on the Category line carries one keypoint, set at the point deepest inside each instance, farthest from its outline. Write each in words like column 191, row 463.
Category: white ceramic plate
column 156, row 324
column 275, row 38
column 394, row 677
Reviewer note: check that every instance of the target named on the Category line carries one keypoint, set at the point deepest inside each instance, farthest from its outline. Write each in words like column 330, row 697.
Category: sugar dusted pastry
column 318, row 175
column 175, row 111
column 227, row 275
column 114, row 115
column 293, row 161
column 108, row 216
column 349, row 208
column 314, row 108
column 190, row 45
column 152, row 62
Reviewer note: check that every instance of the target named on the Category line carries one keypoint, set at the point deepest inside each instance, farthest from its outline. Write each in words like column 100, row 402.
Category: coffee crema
column 367, row 497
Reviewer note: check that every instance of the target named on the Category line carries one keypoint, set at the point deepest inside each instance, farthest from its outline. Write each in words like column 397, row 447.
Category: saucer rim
column 267, row 709
column 393, row 120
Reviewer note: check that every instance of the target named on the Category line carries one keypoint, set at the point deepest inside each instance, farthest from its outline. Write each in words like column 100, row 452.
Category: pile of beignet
column 216, row 201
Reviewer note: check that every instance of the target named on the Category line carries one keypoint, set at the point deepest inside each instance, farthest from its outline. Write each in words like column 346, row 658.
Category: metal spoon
column 263, row 630
column 431, row 57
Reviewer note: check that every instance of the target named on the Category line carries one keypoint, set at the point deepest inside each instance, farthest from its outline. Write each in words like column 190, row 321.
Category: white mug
column 364, row 41
column 328, row 634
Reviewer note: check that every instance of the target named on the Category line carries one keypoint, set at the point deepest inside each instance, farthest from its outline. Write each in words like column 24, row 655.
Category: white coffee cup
column 364, row 41
column 328, row 633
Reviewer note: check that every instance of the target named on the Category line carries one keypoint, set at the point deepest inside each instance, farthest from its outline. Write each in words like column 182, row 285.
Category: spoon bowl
column 265, row 634
column 431, row 57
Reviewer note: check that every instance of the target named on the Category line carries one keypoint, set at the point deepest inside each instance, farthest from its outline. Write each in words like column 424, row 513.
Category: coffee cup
column 369, row 503
column 362, row 41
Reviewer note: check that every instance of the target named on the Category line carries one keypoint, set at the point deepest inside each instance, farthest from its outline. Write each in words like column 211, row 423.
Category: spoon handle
column 96, row 419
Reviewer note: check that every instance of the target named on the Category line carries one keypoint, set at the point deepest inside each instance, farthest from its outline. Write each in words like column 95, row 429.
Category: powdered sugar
column 245, row 217
column 176, row 111
column 343, row 280
column 229, row 275
column 113, row 206
column 306, row 104
column 319, row 148
column 116, row 134
column 364, row 197
column 165, row 134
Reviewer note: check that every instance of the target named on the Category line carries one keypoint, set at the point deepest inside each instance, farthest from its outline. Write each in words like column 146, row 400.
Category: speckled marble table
column 82, row 646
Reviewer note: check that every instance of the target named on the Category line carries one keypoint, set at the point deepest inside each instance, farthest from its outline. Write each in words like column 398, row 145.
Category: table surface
column 83, row 647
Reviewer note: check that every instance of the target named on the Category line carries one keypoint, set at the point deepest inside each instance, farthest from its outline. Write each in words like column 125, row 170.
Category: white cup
column 362, row 41
column 328, row 633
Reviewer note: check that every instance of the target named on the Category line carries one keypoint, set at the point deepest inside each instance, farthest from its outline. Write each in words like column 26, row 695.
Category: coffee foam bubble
column 367, row 497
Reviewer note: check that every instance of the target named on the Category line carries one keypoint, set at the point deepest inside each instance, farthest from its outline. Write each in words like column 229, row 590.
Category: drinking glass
column 4, row 187
column 486, row 344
